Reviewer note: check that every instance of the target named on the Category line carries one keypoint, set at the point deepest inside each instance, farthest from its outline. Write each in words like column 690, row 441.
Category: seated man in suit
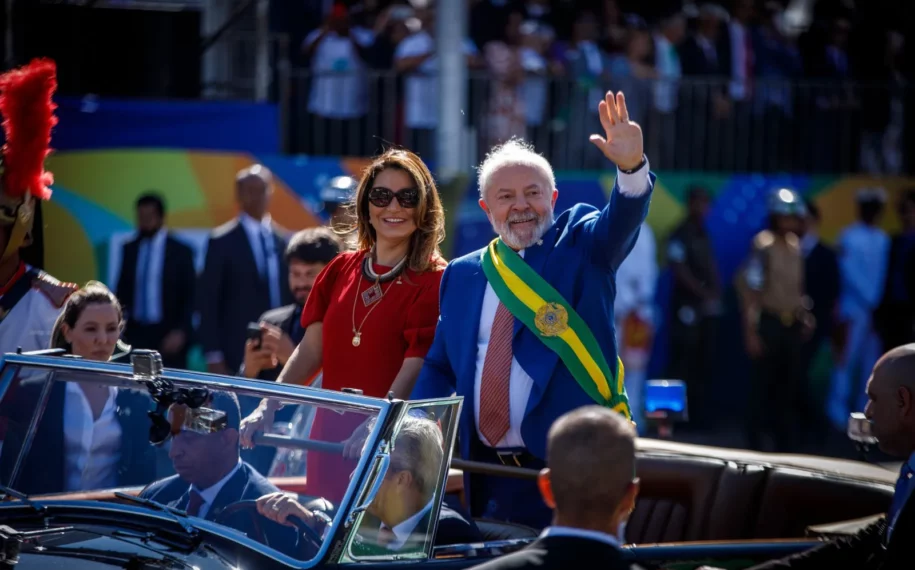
column 885, row 544
column 399, row 517
column 590, row 484
column 210, row 474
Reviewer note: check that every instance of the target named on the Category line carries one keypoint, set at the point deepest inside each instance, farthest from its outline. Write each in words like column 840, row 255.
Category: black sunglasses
column 381, row 197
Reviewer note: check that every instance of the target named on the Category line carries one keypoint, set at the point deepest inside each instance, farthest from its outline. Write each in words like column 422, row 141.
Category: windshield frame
column 338, row 531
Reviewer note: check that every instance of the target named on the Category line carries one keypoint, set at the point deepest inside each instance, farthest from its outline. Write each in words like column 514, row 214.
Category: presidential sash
column 546, row 313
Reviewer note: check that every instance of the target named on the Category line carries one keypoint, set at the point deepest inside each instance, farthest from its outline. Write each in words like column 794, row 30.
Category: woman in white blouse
column 91, row 436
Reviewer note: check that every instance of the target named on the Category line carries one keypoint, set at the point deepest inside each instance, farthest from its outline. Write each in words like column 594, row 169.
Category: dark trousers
column 692, row 355
column 507, row 498
column 150, row 337
column 776, row 391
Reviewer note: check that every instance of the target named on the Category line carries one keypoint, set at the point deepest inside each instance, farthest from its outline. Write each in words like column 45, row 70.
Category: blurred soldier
column 776, row 322
column 863, row 250
column 696, row 306
column 337, row 197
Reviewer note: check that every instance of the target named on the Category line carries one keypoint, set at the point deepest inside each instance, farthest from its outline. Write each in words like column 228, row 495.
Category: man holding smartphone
column 272, row 339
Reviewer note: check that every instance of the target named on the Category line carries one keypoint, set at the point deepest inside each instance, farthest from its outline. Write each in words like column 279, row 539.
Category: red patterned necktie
column 494, row 402
column 194, row 502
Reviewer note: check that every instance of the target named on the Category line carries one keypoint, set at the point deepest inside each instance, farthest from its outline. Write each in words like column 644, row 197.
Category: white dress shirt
column 403, row 530
column 520, row 382
column 210, row 493
column 637, row 278
column 92, row 447
column 148, row 286
column 260, row 236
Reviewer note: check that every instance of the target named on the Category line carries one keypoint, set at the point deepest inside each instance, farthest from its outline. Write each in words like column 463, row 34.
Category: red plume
column 28, row 117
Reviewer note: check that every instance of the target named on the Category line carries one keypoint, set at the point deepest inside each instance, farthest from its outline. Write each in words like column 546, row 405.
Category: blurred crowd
column 711, row 75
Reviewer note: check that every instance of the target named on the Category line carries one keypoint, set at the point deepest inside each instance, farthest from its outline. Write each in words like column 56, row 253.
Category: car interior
column 739, row 496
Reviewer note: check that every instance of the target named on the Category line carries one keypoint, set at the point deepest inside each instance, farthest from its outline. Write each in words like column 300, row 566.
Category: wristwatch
column 636, row 169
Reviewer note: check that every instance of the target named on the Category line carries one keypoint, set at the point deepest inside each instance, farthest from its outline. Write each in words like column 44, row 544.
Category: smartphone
column 256, row 334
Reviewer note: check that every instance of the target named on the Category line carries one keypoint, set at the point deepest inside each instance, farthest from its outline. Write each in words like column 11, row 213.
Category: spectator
column 535, row 43
column 662, row 134
column 633, row 70
column 415, row 57
column 337, row 54
column 506, row 102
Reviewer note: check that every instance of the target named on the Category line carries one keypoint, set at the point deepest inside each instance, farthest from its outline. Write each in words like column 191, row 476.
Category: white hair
column 514, row 152
column 418, row 449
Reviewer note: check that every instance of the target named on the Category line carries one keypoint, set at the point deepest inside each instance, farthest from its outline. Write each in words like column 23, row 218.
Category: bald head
column 891, row 401
column 591, row 457
column 254, row 186
column 897, row 366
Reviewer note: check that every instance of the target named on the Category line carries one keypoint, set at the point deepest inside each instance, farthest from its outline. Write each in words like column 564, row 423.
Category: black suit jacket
column 866, row 550
column 179, row 280
column 561, row 552
column 231, row 292
column 44, row 468
column 822, row 282
column 245, row 485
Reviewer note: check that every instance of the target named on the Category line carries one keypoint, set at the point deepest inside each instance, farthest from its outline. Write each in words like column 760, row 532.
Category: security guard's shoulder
column 56, row 292
column 763, row 240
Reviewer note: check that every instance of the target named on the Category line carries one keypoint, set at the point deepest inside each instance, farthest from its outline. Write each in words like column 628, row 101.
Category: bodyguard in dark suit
column 895, row 317
column 156, row 286
column 822, row 287
column 211, row 476
column 590, row 484
column 886, row 544
column 243, row 274
column 400, row 517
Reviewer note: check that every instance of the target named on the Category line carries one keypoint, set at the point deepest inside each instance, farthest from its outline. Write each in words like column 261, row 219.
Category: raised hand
column 622, row 141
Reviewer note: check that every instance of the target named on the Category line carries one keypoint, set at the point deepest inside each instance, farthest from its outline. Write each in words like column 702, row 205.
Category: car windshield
column 88, row 431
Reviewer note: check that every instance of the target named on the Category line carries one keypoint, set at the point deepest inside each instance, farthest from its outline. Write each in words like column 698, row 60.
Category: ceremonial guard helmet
column 28, row 117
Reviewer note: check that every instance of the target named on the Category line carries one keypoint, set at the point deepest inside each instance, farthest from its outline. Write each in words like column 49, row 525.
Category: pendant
column 357, row 340
column 371, row 295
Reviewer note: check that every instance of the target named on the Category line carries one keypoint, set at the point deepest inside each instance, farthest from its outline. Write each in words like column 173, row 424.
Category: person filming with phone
column 272, row 339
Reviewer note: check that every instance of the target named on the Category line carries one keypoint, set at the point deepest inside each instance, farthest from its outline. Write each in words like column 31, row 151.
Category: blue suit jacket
column 579, row 257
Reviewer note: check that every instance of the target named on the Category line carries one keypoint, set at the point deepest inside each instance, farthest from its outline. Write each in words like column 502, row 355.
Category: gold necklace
column 357, row 333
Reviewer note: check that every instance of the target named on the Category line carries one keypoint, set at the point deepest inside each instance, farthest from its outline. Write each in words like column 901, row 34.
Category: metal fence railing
column 800, row 127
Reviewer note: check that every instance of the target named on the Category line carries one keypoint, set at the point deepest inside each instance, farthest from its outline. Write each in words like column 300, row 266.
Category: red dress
column 400, row 325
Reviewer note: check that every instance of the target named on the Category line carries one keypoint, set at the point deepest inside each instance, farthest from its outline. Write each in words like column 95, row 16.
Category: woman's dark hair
column 92, row 293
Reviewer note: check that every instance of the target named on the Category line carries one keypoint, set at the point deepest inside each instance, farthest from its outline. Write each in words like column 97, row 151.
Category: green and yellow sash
column 545, row 312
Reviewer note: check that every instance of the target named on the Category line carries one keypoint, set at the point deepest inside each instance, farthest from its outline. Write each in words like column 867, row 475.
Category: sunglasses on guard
column 381, row 197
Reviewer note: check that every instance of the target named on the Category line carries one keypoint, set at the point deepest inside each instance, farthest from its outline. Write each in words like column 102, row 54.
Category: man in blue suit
column 526, row 330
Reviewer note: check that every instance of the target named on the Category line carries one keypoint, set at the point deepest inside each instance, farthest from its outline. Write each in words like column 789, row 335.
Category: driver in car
column 211, row 477
column 399, row 516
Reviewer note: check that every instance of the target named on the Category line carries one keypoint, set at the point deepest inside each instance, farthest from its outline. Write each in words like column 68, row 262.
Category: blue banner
column 90, row 123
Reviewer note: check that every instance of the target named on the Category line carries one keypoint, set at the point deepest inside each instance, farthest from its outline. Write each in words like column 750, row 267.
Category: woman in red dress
column 371, row 315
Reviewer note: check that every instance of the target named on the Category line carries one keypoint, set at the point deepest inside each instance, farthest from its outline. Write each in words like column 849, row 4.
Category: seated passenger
column 400, row 512
column 90, row 436
column 210, row 474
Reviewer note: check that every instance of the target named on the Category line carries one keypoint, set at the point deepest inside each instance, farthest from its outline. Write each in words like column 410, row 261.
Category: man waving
column 526, row 331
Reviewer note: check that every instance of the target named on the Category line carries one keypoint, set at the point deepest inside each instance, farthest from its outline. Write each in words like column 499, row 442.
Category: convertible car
column 66, row 506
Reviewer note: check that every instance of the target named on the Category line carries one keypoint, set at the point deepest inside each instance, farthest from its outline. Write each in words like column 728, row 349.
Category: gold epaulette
column 56, row 291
